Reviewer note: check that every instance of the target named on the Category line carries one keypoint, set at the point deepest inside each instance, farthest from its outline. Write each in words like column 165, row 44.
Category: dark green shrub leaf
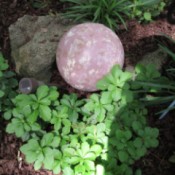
column 140, row 152
column 138, row 172
column 136, row 125
column 7, row 115
column 138, row 142
column 1, row 93
column 123, row 156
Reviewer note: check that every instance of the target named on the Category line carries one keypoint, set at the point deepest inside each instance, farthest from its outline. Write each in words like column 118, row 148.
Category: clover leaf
column 40, row 103
column 41, row 152
column 8, row 86
column 145, row 73
column 97, row 107
column 73, row 105
column 79, row 136
column 58, row 116
column 83, row 157
column 20, row 125
column 116, row 78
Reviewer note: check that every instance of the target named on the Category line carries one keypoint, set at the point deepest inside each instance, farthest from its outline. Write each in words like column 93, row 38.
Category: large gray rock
column 157, row 58
column 34, row 40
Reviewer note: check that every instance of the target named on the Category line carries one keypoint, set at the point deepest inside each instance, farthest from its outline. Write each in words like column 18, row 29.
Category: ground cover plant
column 8, row 85
column 79, row 136
column 160, row 91
column 111, row 12
column 147, row 10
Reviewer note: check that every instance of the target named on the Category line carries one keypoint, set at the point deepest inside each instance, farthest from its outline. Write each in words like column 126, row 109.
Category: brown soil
column 137, row 40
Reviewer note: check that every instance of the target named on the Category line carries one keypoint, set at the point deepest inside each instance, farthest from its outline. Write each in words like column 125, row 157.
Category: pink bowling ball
column 86, row 53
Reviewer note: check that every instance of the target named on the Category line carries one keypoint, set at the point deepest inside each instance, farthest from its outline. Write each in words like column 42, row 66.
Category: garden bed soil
column 137, row 40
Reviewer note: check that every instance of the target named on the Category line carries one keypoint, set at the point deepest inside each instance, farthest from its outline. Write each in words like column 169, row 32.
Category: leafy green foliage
column 73, row 105
column 117, row 85
column 112, row 12
column 146, row 10
column 107, row 12
column 40, row 104
column 7, row 85
column 21, row 124
column 84, row 157
column 103, row 134
column 156, row 89
column 42, row 151
column 97, row 107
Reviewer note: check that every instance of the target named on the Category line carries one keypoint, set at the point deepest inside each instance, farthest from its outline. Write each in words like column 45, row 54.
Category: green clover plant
column 103, row 134
column 8, row 85
column 146, row 10
column 117, row 85
column 21, row 124
column 40, row 104
column 73, row 104
column 41, row 152
column 83, row 158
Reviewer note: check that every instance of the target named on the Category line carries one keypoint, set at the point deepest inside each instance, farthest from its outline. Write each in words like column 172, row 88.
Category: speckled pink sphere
column 86, row 53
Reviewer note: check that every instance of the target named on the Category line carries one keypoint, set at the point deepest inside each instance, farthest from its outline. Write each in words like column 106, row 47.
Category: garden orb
column 86, row 53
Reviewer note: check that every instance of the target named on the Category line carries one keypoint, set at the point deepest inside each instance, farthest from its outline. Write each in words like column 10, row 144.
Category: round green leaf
column 123, row 156
column 1, row 93
column 138, row 142
column 7, row 115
